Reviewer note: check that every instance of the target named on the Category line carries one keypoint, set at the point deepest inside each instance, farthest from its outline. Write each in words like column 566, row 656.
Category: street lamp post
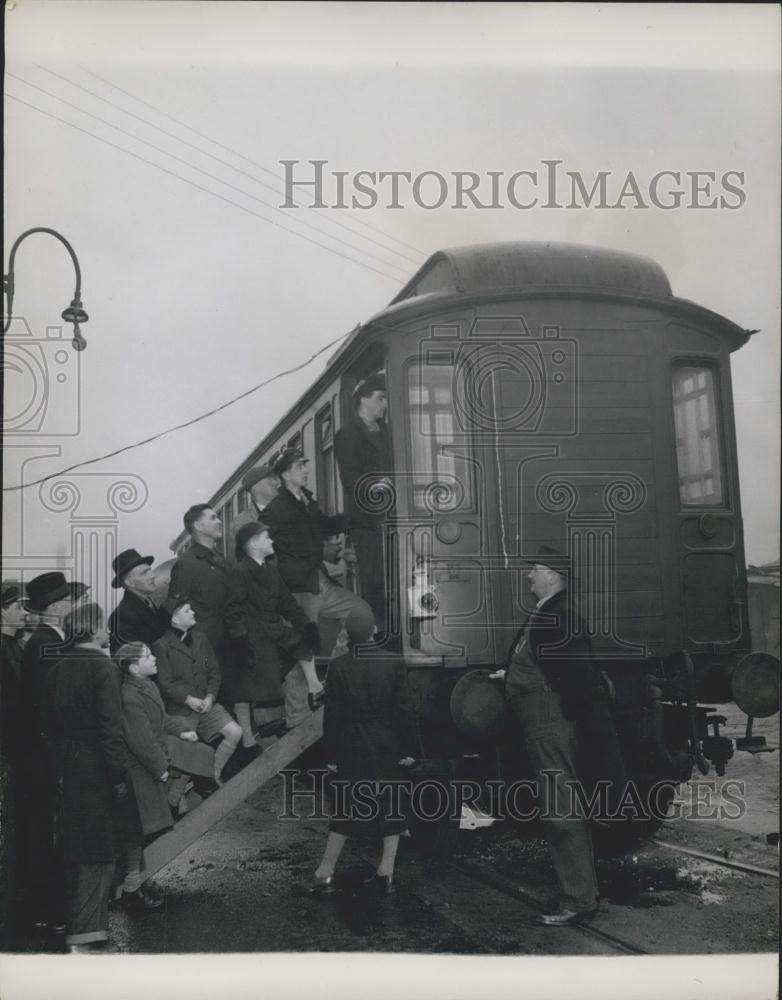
column 74, row 313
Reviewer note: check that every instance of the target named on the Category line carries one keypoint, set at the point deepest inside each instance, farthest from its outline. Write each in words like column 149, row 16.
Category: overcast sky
column 197, row 288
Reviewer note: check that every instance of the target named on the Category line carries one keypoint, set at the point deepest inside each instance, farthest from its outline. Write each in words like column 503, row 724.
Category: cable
column 241, row 156
column 206, row 190
column 187, row 423
column 224, row 163
column 200, row 170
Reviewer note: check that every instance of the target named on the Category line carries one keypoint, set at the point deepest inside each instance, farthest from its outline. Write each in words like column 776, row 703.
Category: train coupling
column 716, row 747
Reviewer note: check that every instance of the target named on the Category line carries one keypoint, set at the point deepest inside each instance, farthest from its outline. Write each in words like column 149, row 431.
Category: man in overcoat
column 363, row 455
column 557, row 697
column 199, row 578
column 51, row 597
column 136, row 618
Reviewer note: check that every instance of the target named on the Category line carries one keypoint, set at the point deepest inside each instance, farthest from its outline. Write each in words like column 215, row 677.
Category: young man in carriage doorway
column 363, row 453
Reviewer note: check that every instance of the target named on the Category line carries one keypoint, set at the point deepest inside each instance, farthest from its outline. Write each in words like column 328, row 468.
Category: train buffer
column 195, row 823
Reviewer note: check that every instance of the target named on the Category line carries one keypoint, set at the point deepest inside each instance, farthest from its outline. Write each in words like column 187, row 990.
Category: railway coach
column 548, row 393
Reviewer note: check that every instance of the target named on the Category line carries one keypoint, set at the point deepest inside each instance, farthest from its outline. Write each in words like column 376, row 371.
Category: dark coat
column 262, row 610
column 558, row 641
column 84, row 723
column 200, row 577
column 145, row 725
column 45, row 648
column 361, row 452
column 369, row 725
column 297, row 528
column 185, row 670
column 133, row 620
column 13, row 735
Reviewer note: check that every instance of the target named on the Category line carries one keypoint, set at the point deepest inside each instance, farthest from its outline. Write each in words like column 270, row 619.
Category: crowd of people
column 107, row 723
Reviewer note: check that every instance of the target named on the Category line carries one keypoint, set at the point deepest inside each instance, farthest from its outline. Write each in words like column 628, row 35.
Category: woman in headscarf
column 370, row 740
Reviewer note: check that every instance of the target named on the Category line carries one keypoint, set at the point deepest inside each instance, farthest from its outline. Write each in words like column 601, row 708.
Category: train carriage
column 544, row 393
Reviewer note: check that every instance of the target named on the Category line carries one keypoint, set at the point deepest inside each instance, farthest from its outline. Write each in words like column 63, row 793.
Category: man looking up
column 136, row 618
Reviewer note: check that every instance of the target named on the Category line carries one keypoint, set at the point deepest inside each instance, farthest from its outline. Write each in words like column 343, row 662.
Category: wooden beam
column 198, row 821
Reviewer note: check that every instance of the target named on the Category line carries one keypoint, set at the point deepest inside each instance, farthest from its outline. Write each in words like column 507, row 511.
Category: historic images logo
column 549, row 185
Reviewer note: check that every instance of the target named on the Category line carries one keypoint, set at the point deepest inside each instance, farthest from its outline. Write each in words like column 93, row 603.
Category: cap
column 249, row 479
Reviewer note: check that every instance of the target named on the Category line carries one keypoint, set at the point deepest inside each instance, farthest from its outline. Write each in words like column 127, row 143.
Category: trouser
column 88, row 904
column 550, row 742
column 331, row 601
column 368, row 542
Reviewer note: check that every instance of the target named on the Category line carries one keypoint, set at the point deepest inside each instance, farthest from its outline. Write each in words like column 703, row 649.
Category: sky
column 151, row 135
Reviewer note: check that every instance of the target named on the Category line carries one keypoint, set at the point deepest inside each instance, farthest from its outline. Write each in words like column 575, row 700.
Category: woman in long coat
column 98, row 816
column 145, row 725
column 370, row 736
column 269, row 630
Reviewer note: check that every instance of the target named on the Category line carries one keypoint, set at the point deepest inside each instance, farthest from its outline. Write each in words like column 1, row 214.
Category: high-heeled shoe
column 381, row 883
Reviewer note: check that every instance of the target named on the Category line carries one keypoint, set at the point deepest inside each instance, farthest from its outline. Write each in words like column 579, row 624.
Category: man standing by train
column 556, row 695
column 263, row 484
column 363, row 455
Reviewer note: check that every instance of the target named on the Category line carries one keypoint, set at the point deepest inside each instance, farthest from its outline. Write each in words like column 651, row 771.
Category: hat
column 12, row 592
column 360, row 624
column 477, row 704
column 374, row 383
column 552, row 558
column 245, row 533
column 249, row 479
column 125, row 562
column 287, row 459
column 47, row 588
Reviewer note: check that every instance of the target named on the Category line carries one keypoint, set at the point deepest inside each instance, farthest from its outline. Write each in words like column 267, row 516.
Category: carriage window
column 227, row 518
column 324, row 438
column 698, row 451
column 439, row 474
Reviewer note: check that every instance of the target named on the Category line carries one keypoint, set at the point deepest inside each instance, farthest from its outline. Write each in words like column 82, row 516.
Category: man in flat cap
column 51, row 597
column 556, row 694
column 263, row 485
column 136, row 618
column 363, row 454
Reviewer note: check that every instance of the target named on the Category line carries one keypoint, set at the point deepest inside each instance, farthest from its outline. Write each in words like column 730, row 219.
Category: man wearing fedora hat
column 555, row 692
column 136, row 618
column 262, row 484
column 51, row 597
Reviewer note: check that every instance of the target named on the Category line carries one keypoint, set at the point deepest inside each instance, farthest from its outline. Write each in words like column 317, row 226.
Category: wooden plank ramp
column 198, row 821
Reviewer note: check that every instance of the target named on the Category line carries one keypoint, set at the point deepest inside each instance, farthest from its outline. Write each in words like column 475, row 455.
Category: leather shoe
column 381, row 883
column 314, row 700
column 322, row 886
column 563, row 916
column 204, row 787
column 139, row 902
column 277, row 728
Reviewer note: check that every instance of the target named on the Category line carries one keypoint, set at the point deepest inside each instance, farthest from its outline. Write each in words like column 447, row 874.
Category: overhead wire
column 225, row 163
column 206, row 190
column 182, row 426
column 200, row 170
column 241, row 156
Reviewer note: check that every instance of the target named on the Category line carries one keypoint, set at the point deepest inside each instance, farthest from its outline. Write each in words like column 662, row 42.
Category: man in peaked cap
column 555, row 693
column 51, row 597
column 136, row 618
column 263, row 484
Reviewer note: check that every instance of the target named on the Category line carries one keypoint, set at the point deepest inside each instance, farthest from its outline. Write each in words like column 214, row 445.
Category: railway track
column 516, row 892
column 715, row 859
